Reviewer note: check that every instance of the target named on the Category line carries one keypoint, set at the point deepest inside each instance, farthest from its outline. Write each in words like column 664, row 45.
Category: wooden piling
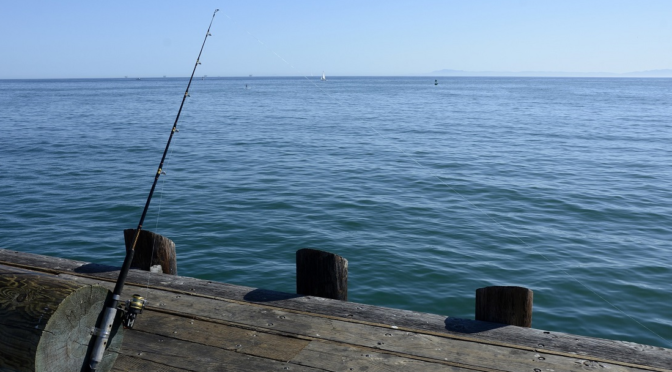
column 46, row 323
column 151, row 250
column 506, row 305
column 321, row 274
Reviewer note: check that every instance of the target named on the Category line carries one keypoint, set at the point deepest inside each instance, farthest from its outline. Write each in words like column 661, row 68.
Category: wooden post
column 321, row 274
column 148, row 242
column 506, row 305
column 46, row 322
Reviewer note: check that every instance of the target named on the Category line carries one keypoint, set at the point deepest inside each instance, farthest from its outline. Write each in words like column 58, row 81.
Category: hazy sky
column 68, row 39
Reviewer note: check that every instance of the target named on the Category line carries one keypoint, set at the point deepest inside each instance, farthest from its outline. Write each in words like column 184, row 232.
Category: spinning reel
column 134, row 307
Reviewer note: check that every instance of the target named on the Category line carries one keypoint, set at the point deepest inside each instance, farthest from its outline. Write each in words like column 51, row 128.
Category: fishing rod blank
column 102, row 332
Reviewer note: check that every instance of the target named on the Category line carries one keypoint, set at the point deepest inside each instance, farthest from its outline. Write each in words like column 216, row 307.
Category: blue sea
column 560, row 185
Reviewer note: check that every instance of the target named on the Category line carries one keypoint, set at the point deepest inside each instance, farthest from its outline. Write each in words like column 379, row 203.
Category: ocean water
column 560, row 185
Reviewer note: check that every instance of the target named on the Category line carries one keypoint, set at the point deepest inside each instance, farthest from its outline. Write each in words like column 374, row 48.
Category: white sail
column 323, row 77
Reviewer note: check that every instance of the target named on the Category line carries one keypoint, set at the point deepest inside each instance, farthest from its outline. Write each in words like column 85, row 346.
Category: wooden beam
column 46, row 322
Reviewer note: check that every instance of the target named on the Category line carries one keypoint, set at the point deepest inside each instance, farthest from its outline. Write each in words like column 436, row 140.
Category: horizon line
column 457, row 74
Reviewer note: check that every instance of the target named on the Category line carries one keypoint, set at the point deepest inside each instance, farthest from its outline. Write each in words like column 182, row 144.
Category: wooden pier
column 200, row 325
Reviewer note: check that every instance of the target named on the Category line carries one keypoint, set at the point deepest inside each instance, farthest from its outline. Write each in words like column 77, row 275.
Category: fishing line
column 158, row 216
column 452, row 189
column 156, row 228
column 104, row 327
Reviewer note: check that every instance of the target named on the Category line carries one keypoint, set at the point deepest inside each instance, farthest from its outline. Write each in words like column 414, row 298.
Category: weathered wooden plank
column 460, row 328
column 244, row 341
column 197, row 357
column 404, row 343
column 325, row 356
column 127, row 363
column 530, row 339
column 339, row 357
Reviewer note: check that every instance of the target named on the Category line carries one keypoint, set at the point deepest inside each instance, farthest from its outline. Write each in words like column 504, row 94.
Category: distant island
column 649, row 73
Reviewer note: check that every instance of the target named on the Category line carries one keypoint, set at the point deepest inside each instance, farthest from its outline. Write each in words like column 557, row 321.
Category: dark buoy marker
column 436, row 82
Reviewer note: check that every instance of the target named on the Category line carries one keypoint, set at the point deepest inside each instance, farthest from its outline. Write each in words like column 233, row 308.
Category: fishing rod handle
column 102, row 334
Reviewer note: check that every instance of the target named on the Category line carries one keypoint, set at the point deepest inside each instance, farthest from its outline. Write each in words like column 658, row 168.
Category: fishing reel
column 134, row 307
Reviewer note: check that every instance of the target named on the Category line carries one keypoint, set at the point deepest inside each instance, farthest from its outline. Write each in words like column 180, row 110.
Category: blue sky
column 71, row 39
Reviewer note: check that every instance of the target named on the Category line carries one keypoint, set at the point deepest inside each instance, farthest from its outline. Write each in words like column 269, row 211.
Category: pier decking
column 200, row 325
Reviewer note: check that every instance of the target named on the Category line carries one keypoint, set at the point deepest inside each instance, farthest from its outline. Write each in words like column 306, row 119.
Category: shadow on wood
column 152, row 249
column 265, row 295
column 506, row 305
column 321, row 274
column 91, row 268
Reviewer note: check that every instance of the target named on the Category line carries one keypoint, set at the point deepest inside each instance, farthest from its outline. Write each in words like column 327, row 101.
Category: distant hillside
column 649, row 73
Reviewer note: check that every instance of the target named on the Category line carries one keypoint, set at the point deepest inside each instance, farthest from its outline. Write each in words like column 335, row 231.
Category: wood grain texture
column 505, row 305
column 150, row 250
column 127, row 363
column 191, row 356
column 244, row 341
column 590, row 350
column 338, row 357
column 46, row 322
column 382, row 339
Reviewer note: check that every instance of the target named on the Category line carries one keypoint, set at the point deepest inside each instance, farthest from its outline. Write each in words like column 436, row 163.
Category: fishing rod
column 135, row 306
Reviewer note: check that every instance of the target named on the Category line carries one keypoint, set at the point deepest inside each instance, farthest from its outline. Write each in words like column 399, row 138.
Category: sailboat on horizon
column 323, row 78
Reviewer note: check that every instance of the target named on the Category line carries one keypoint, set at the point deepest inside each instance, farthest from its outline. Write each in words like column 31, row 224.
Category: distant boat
column 323, row 78
column 436, row 82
